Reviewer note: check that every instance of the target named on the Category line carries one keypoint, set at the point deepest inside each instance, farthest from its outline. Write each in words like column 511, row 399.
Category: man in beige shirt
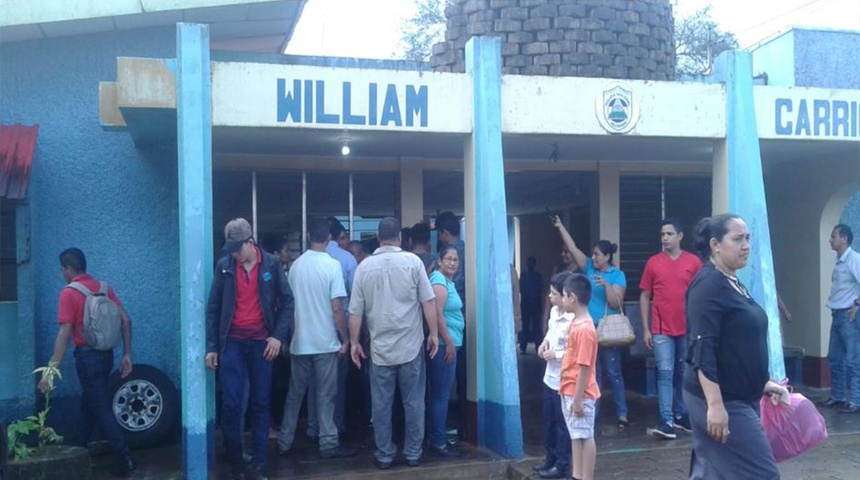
column 391, row 289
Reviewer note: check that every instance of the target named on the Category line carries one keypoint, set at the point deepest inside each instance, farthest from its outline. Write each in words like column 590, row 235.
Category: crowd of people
column 397, row 314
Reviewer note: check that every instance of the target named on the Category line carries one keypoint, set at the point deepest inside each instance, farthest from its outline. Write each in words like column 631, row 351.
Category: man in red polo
column 93, row 366
column 249, row 314
column 664, row 286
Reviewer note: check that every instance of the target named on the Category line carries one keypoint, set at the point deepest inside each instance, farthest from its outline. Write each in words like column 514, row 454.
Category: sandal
column 623, row 424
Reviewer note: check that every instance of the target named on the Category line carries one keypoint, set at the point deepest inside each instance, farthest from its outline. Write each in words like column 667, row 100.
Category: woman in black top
column 727, row 360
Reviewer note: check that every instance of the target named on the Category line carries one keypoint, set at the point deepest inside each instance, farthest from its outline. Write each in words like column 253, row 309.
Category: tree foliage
column 419, row 33
column 698, row 40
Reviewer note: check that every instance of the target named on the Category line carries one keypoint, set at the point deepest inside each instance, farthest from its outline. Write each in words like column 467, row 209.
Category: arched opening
column 832, row 214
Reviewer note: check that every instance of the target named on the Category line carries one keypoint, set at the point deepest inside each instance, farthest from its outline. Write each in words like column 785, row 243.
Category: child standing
column 557, row 439
column 578, row 381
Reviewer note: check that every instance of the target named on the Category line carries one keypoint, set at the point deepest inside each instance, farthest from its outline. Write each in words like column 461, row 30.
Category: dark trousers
column 557, row 439
column 94, row 367
column 241, row 362
column 532, row 327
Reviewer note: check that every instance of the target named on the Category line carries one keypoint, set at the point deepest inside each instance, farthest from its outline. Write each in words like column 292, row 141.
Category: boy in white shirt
column 557, row 440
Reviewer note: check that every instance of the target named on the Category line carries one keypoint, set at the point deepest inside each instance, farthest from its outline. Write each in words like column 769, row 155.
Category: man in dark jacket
column 249, row 315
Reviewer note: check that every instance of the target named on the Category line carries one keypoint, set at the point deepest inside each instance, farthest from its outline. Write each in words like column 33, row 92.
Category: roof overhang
column 250, row 25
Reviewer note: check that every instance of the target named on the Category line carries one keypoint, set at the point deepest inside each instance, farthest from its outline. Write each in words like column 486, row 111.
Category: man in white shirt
column 392, row 290
column 317, row 282
column 843, row 357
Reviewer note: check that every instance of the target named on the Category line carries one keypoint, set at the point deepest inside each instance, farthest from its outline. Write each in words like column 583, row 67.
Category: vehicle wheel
column 145, row 405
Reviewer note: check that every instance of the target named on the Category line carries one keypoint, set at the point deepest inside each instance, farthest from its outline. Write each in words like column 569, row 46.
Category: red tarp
column 17, row 146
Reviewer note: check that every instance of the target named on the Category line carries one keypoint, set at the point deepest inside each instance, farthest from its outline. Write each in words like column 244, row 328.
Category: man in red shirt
column 665, row 280
column 249, row 314
column 93, row 366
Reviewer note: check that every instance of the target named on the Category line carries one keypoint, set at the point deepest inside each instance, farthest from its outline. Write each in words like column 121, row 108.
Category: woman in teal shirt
column 608, row 285
column 441, row 368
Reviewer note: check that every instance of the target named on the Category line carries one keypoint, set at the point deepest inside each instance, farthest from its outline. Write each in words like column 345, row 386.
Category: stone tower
column 585, row 38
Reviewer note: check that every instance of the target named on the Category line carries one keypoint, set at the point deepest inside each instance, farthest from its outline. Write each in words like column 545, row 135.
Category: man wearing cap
column 392, row 289
column 249, row 314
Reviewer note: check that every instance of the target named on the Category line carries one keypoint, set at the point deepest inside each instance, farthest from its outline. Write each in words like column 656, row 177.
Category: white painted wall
column 566, row 105
column 245, row 94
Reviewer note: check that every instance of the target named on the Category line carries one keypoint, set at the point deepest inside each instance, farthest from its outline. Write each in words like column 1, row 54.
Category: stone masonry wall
column 585, row 38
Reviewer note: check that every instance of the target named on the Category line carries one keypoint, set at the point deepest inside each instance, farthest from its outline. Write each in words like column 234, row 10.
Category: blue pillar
column 746, row 191
column 194, row 134
column 498, row 393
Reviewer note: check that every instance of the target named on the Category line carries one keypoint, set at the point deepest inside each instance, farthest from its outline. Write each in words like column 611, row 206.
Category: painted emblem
column 617, row 110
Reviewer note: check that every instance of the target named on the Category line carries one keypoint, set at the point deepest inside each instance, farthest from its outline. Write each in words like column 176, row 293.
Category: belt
column 839, row 310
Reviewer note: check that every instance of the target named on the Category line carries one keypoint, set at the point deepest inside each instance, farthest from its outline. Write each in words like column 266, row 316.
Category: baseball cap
column 236, row 233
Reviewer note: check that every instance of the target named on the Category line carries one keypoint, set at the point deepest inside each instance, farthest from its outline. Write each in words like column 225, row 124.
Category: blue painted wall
column 851, row 217
column 827, row 59
column 92, row 189
column 776, row 59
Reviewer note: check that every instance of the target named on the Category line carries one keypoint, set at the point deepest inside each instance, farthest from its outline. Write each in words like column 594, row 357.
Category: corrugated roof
column 17, row 147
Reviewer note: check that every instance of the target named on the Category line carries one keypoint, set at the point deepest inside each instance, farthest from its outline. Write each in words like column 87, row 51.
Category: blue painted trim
column 746, row 191
column 194, row 134
column 311, row 61
column 499, row 424
column 496, row 433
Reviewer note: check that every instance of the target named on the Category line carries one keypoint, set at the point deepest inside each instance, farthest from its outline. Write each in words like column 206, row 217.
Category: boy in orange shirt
column 578, row 389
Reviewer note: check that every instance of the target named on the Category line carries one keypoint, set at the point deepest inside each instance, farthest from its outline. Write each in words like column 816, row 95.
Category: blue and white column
column 739, row 188
column 194, row 137
column 492, row 344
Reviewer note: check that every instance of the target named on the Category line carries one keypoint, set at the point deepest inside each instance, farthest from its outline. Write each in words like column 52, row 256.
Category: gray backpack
column 102, row 320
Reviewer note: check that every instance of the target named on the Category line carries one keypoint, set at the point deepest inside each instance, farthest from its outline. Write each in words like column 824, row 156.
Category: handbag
column 792, row 429
column 615, row 330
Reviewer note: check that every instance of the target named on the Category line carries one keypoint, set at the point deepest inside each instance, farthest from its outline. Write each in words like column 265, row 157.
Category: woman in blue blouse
column 441, row 368
column 608, row 285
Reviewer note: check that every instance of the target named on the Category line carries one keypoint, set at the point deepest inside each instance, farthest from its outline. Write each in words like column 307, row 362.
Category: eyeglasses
column 451, row 259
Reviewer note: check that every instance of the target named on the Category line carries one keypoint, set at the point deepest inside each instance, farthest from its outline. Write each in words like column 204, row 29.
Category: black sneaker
column 381, row 465
column 683, row 423
column 446, row 451
column 413, row 462
column 124, row 470
column 338, row 452
column 664, row 432
column 254, row 473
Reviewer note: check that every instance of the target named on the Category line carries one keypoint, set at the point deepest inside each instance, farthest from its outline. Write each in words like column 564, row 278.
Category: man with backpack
column 91, row 315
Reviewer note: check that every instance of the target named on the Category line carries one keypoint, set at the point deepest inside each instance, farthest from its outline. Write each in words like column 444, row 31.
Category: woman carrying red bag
column 727, row 360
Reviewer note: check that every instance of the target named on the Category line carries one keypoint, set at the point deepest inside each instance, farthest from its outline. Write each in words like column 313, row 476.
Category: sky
column 371, row 28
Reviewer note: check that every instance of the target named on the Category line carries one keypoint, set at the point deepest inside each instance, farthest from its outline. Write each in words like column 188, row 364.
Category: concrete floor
column 630, row 454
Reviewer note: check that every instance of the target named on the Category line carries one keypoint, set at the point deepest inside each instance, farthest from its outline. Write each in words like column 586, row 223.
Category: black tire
column 145, row 404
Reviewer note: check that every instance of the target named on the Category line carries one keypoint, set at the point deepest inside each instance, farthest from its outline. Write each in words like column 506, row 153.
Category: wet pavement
column 629, row 454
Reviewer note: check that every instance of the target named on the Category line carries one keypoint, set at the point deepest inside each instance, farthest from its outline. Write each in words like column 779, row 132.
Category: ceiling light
column 344, row 150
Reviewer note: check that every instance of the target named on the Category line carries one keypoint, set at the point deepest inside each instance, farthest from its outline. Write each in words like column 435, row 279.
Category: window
column 8, row 269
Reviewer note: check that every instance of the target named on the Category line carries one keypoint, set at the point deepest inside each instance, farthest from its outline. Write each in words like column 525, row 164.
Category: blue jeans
column 557, row 440
column 93, row 368
column 241, row 362
column 843, row 358
column 441, row 377
column 670, row 353
column 609, row 364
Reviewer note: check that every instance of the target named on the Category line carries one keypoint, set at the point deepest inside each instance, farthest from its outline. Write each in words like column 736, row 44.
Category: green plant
column 18, row 432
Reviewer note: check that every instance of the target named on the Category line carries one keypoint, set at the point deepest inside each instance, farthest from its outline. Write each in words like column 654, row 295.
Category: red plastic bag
column 792, row 429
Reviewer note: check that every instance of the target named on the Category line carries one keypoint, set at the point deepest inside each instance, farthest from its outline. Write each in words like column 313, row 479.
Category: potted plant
column 48, row 459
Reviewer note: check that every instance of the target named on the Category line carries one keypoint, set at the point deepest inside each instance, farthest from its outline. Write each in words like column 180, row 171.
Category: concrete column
column 411, row 193
column 720, row 178
column 610, row 207
column 746, row 195
column 499, row 424
column 194, row 134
